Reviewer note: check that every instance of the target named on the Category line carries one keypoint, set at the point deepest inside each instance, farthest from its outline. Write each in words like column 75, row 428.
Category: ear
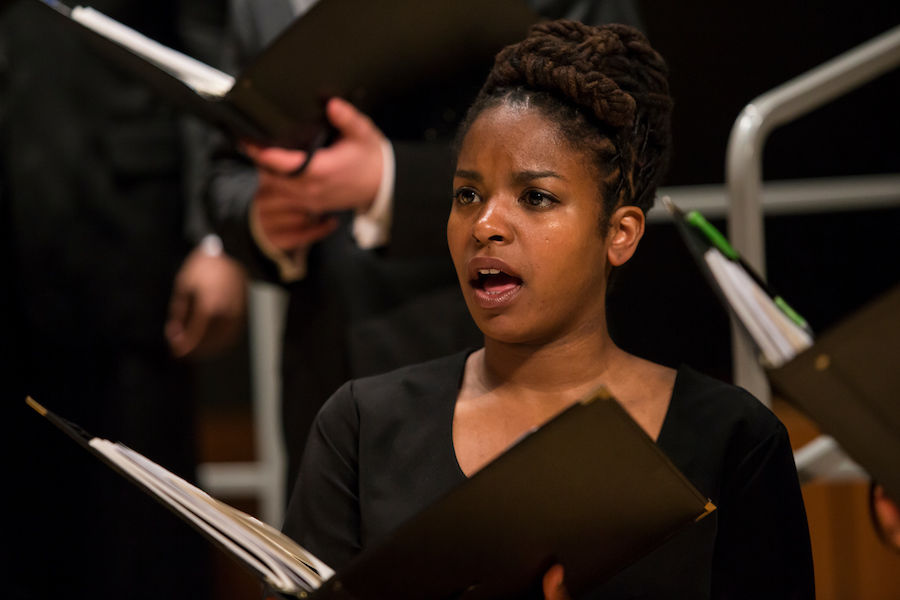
column 626, row 228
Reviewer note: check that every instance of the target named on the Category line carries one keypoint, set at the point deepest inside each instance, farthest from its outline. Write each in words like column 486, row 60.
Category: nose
column 493, row 224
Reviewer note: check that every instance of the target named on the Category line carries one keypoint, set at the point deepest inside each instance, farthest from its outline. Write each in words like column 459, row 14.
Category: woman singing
column 558, row 162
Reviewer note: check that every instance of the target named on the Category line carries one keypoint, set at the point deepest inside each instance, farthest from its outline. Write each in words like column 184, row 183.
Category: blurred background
column 96, row 229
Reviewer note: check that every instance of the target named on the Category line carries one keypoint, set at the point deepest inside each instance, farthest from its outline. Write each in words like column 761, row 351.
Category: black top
column 381, row 450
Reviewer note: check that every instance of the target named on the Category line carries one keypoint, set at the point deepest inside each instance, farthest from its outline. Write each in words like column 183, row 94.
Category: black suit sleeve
column 422, row 191
column 230, row 184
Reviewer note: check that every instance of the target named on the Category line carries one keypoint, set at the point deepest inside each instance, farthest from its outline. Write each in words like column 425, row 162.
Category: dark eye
column 464, row 196
column 538, row 199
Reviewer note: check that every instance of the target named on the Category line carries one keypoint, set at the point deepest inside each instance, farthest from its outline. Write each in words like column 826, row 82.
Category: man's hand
column 208, row 309
column 553, row 584
column 887, row 517
column 294, row 210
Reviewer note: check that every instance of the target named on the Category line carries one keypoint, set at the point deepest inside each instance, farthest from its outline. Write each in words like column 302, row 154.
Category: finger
column 178, row 307
column 305, row 237
column 289, row 230
column 347, row 119
column 249, row 147
column 284, row 218
column 195, row 329
column 322, row 229
column 302, row 191
column 887, row 510
column 281, row 191
column 287, row 212
column 286, row 221
column 553, row 585
column 278, row 160
column 174, row 327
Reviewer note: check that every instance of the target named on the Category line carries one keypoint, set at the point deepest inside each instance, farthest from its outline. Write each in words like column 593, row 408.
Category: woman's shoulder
column 720, row 434
column 721, row 409
column 416, row 378
column 402, row 390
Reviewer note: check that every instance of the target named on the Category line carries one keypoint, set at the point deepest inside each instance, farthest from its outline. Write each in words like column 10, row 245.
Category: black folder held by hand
column 849, row 382
column 589, row 490
column 368, row 52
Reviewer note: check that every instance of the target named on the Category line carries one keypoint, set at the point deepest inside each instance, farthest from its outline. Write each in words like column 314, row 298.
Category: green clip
column 712, row 234
column 792, row 314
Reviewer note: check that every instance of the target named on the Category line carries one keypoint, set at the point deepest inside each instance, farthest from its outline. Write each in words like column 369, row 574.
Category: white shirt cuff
column 211, row 245
column 372, row 228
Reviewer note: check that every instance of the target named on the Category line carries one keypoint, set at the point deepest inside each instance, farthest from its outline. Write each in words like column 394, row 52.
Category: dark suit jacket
column 91, row 211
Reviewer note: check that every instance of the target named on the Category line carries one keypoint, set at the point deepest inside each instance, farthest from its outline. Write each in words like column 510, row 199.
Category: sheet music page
column 285, row 565
column 738, row 289
column 201, row 77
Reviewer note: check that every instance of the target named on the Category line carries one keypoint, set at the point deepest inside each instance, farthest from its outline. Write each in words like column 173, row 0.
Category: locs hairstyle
column 607, row 90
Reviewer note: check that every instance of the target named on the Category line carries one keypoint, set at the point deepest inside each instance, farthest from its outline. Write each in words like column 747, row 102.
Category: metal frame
column 790, row 196
column 264, row 478
column 757, row 120
column 822, row 457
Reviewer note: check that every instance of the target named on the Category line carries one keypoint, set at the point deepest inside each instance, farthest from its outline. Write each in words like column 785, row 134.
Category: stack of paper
column 778, row 331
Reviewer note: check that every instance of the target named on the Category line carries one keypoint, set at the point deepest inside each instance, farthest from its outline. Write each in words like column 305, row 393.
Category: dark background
column 721, row 56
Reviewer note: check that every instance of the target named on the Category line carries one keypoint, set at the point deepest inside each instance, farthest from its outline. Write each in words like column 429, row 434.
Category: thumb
column 349, row 121
column 178, row 310
column 553, row 585
column 196, row 328
column 177, row 322
column 277, row 160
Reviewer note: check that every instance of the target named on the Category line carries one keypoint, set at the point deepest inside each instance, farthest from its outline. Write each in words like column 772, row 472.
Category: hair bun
column 593, row 67
column 606, row 88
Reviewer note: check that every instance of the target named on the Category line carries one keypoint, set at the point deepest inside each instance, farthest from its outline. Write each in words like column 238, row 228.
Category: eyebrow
column 520, row 177
column 473, row 175
column 524, row 176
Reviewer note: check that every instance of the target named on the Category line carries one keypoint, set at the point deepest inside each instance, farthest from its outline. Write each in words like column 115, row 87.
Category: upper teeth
column 488, row 271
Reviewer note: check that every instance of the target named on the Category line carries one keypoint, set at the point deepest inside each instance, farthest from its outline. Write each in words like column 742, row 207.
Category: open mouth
column 495, row 282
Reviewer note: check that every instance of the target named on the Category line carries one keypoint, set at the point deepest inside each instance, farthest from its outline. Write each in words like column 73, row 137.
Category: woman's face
column 524, row 230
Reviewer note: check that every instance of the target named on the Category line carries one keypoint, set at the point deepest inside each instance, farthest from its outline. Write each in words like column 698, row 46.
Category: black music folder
column 847, row 380
column 589, row 490
column 363, row 51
